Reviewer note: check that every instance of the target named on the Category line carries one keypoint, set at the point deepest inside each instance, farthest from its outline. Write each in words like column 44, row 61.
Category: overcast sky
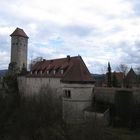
column 98, row 30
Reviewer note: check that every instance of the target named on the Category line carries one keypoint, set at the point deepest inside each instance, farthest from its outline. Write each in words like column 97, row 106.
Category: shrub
column 124, row 106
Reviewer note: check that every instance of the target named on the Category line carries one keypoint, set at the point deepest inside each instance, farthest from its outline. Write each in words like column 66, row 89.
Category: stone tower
column 19, row 47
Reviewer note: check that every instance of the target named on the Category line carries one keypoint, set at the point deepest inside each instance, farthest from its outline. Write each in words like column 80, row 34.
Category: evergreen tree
column 114, row 80
column 109, row 81
column 10, row 79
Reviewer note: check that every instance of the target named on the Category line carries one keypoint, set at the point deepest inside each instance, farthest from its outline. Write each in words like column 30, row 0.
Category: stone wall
column 107, row 95
column 79, row 100
column 79, row 97
column 94, row 116
column 73, row 107
column 32, row 85
column 19, row 46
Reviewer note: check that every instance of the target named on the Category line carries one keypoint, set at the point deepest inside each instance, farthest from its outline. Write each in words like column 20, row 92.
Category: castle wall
column 79, row 100
column 107, row 95
column 32, row 85
column 73, row 106
column 104, row 94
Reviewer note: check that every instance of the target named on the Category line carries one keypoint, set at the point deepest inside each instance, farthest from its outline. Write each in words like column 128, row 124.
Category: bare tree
column 34, row 61
column 137, row 69
column 122, row 68
column 103, row 69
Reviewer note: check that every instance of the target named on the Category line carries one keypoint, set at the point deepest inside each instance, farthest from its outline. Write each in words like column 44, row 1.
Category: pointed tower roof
column 19, row 32
column 131, row 71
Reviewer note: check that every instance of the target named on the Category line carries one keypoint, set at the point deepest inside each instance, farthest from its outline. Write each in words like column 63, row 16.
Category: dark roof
column 19, row 32
column 74, row 70
column 131, row 74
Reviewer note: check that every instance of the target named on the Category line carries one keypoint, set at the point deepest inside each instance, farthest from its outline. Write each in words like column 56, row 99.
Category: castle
column 68, row 77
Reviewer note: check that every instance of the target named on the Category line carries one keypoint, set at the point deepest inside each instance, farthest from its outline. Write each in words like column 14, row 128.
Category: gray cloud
column 129, row 53
column 77, row 30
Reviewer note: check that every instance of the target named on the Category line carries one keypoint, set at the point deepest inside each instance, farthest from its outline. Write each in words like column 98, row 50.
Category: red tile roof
column 74, row 70
column 19, row 32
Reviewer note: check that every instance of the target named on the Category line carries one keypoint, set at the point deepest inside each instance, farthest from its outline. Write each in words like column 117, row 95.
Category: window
column 62, row 71
column 54, row 72
column 41, row 72
column 67, row 93
column 47, row 71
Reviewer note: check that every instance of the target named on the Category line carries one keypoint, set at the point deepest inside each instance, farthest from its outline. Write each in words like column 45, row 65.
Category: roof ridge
column 61, row 58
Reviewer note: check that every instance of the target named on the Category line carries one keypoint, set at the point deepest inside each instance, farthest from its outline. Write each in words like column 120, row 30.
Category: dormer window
column 54, row 72
column 36, row 72
column 47, row 71
column 62, row 71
